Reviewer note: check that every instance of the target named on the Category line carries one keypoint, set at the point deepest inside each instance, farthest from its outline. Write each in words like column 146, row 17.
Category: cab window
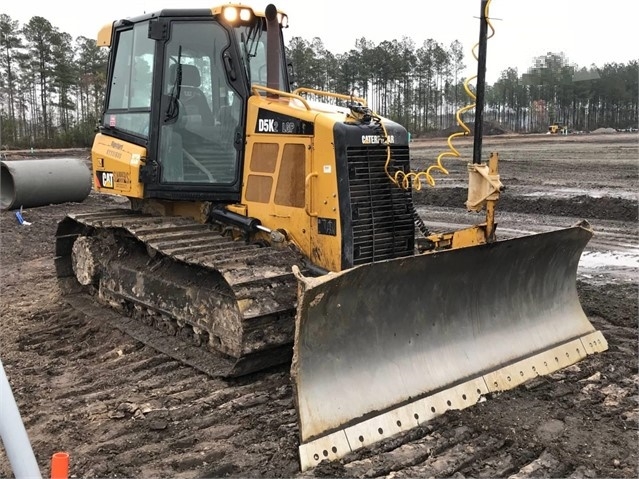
column 129, row 103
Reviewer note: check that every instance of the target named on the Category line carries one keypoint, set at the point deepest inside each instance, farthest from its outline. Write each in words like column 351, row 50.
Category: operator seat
column 191, row 96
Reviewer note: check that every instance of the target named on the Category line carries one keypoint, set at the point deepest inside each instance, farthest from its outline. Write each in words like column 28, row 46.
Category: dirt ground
column 123, row 410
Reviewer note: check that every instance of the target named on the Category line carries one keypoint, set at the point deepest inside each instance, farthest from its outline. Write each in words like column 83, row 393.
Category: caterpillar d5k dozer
column 267, row 223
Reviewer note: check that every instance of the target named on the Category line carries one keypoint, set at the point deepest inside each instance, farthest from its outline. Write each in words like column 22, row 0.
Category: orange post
column 60, row 465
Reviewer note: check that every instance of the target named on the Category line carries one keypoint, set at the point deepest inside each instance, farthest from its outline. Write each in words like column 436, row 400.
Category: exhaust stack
column 273, row 53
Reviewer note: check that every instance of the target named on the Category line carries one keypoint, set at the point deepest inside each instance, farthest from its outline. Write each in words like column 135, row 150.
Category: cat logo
column 377, row 139
column 105, row 178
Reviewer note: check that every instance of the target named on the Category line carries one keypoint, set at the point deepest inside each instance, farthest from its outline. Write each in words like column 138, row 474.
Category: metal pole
column 14, row 435
column 481, row 84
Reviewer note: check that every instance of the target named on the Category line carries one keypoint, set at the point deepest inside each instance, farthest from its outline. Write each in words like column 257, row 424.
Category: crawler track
column 182, row 287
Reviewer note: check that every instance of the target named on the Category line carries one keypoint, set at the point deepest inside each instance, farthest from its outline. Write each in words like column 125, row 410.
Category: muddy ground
column 123, row 410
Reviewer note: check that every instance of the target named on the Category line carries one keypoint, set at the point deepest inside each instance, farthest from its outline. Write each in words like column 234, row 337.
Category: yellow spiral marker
column 405, row 180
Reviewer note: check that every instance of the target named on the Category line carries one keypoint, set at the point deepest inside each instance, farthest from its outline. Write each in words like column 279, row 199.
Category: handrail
column 296, row 94
column 257, row 88
column 308, row 201
column 341, row 96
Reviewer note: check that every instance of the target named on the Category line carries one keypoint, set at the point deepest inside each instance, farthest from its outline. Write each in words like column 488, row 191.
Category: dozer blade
column 384, row 347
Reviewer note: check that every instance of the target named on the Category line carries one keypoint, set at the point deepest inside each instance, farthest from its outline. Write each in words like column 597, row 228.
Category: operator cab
column 180, row 80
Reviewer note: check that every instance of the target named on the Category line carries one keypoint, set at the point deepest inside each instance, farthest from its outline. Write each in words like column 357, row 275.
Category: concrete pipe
column 30, row 183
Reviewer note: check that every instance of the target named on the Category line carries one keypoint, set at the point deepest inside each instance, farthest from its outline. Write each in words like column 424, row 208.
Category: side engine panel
column 320, row 175
column 116, row 166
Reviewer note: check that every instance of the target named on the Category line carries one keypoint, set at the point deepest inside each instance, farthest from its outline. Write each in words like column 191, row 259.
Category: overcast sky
column 587, row 31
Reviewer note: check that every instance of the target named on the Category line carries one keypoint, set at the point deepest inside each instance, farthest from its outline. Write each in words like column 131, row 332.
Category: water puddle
column 610, row 266
column 603, row 259
column 574, row 192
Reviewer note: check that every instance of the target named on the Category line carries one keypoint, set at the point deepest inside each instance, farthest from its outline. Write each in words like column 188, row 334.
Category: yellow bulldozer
column 269, row 226
column 557, row 129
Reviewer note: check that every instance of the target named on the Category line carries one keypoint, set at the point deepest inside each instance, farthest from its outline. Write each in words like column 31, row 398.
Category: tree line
column 52, row 86
column 422, row 86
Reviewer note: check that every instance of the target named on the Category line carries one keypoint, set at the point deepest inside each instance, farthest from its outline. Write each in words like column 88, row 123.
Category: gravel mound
column 603, row 131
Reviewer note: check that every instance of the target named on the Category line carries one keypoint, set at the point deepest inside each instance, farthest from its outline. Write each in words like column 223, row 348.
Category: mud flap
column 384, row 347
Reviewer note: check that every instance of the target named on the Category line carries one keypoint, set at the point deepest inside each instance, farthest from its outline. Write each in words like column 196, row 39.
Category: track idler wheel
column 84, row 260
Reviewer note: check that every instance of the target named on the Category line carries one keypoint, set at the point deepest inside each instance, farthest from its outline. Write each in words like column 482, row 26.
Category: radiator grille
column 383, row 226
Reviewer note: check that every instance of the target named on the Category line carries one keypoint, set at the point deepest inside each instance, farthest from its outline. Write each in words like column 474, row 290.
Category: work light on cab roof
column 241, row 14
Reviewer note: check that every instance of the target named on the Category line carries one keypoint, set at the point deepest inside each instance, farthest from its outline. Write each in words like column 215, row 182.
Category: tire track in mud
column 122, row 409
column 121, row 400
column 611, row 254
column 437, row 454
column 608, row 235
